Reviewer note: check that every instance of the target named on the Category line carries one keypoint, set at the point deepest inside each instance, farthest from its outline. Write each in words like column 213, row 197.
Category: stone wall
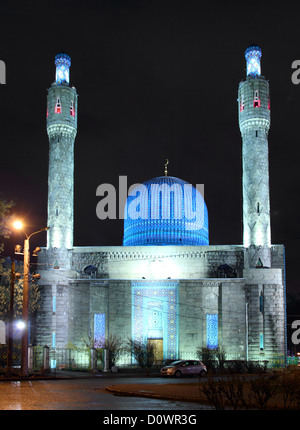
column 266, row 310
column 176, row 262
column 232, row 315
column 43, row 322
column 80, row 296
column 227, row 299
column 61, row 130
column 53, row 316
column 78, row 312
column 119, row 309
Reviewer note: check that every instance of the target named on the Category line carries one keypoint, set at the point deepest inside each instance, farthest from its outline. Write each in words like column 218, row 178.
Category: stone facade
column 61, row 130
column 254, row 123
column 180, row 297
column 250, row 303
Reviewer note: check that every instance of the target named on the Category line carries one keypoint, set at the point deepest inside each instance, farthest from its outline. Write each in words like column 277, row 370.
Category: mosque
column 165, row 284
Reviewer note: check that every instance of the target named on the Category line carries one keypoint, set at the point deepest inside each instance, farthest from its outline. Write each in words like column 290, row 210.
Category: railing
column 16, row 356
column 43, row 358
column 70, row 358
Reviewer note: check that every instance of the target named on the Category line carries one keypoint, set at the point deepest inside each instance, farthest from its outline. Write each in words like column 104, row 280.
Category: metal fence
column 70, row 358
column 41, row 358
column 16, row 356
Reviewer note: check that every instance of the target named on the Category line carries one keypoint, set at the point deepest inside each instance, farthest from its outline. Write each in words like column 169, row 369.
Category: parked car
column 184, row 367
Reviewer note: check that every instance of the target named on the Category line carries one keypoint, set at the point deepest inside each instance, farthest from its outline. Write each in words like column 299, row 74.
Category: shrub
column 214, row 359
column 212, row 390
column 237, row 392
column 256, row 366
column 233, row 389
column 236, row 366
column 143, row 353
column 263, row 389
column 289, row 387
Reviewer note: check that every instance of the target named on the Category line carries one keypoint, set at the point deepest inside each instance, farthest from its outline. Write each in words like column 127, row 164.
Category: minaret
column 61, row 129
column 254, row 122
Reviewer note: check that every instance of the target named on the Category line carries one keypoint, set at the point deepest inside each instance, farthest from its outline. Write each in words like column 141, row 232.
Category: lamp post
column 10, row 319
column 25, row 312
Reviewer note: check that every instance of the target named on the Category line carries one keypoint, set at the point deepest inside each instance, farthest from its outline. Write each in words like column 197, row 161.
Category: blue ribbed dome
column 165, row 211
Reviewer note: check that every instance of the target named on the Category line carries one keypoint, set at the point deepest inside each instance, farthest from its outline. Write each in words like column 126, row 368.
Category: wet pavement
column 99, row 392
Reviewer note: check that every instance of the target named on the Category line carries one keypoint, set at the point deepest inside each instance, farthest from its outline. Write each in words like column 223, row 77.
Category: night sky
column 156, row 80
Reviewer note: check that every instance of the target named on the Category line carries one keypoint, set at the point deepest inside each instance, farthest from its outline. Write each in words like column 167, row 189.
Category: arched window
column 57, row 106
column 72, row 108
column 242, row 104
column 256, row 101
column 90, row 270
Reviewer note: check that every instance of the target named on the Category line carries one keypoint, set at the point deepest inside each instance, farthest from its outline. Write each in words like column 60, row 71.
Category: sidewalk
column 188, row 392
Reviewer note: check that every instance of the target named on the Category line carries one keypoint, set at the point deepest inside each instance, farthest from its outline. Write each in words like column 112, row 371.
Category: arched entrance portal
column 154, row 316
column 155, row 330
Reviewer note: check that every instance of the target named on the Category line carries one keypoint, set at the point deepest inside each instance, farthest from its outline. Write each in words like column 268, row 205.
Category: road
column 82, row 394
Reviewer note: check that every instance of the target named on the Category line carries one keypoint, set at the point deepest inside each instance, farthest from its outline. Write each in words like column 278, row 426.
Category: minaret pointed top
column 166, row 167
column 253, row 56
column 63, row 64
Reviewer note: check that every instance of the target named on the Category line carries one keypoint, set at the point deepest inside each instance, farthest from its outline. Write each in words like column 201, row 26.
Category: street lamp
column 24, row 349
column 13, row 276
column 20, row 325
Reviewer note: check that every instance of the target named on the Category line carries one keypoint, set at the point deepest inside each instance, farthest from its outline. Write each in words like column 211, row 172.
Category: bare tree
column 115, row 346
column 143, row 353
column 263, row 389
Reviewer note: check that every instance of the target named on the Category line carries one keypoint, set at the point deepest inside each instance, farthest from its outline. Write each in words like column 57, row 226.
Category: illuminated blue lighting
column 253, row 56
column 212, row 330
column 261, row 341
column 165, row 211
column 63, row 63
column 99, row 330
column 160, row 297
